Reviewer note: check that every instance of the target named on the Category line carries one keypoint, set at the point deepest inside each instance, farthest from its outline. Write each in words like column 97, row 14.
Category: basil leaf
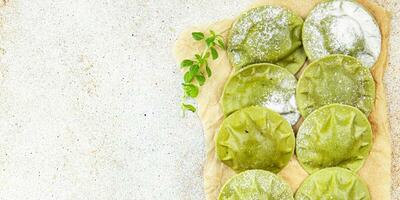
column 194, row 69
column 188, row 77
column 210, row 41
column 214, row 53
column 197, row 56
column 188, row 107
column 201, row 79
column 199, row 59
column 221, row 43
column 198, row 35
column 186, row 63
column 208, row 71
column 212, row 33
column 191, row 90
column 207, row 55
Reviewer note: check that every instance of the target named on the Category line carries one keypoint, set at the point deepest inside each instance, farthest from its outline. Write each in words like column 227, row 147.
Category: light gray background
column 89, row 99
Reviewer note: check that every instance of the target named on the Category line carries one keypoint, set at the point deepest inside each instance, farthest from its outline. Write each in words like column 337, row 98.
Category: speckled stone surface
column 89, row 99
column 392, row 81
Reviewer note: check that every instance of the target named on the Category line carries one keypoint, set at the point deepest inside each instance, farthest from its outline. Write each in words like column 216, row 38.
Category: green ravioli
column 334, row 136
column 335, row 79
column 267, row 34
column 255, row 138
column 257, row 185
column 333, row 184
column 265, row 85
column 342, row 27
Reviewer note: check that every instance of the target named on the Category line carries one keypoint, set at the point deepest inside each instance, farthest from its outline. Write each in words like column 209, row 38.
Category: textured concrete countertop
column 89, row 99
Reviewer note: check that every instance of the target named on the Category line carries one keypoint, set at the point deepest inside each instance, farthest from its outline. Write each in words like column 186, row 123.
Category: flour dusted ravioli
column 342, row 27
column 335, row 79
column 334, row 136
column 267, row 34
column 265, row 85
column 255, row 138
column 333, row 183
column 256, row 184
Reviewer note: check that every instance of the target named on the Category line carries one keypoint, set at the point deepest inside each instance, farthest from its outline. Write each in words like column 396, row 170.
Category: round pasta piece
column 256, row 184
column 333, row 183
column 266, row 85
column 335, row 79
column 255, row 138
column 342, row 27
column 267, row 34
column 334, row 136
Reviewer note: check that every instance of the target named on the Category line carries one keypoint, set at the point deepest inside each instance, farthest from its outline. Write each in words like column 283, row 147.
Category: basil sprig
column 197, row 69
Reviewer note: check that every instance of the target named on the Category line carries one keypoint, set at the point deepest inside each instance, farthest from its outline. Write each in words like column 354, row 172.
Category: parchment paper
column 375, row 172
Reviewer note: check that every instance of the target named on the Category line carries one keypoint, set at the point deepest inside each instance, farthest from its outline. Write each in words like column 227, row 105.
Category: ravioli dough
column 342, row 27
column 255, row 138
column 335, row 79
column 256, row 184
column 265, row 85
column 267, row 34
column 334, row 136
column 333, row 183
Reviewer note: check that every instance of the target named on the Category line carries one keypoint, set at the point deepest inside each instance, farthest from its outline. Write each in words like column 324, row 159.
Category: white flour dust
column 342, row 27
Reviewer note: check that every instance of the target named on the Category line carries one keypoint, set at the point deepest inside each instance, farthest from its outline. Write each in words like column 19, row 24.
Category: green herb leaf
column 188, row 107
column 186, row 63
column 199, row 59
column 199, row 64
column 188, row 77
column 210, row 41
column 198, row 35
column 194, row 69
column 201, row 79
column 191, row 90
column 207, row 55
column 208, row 71
column 221, row 43
column 214, row 53
column 198, row 56
column 205, row 62
column 212, row 33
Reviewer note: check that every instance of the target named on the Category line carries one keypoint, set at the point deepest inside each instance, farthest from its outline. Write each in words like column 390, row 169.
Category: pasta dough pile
column 251, row 104
column 335, row 94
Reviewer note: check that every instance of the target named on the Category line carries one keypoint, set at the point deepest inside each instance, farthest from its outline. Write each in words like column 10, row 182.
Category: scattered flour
column 267, row 28
column 348, row 28
column 259, row 15
column 345, row 33
column 283, row 101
